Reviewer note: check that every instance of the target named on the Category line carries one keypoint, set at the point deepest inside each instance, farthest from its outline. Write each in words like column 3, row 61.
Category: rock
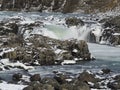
column 37, row 85
column 61, row 78
column 88, row 77
column 48, row 87
column 28, row 88
column 69, row 6
column 114, row 85
column 0, row 81
column 17, row 77
column 47, row 57
column 8, row 28
column 1, row 69
column 117, row 78
column 106, row 71
column 111, row 35
column 35, row 77
column 67, row 86
column 51, row 81
column 73, row 21
column 11, row 55
column 80, row 85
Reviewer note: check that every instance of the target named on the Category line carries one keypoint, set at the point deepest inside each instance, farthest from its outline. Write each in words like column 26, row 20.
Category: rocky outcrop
column 17, row 77
column 35, row 77
column 111, row 32
column 65, row 6
column 36, row 49
column 73, row 21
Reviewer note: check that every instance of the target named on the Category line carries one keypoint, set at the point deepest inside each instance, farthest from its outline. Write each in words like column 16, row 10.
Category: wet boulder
column 48, row 87
column 51, row 81
column 36, row 85
column 61, row 78
column 67, row 86
column 80, row 85
column 111, row 32
column 28, row 88
column 114, row 85
column 35, row 77
column 8, row 28
column 17, row 77
column 88, row 77
column 73, row 21
column 11, row 55
column 106, row 71
column 47, row 57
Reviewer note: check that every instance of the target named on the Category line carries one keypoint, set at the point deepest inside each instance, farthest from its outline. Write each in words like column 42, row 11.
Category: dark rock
column 17, row 77
column 109, row 34
column 28, row 88
column 48, row 87
column 35, row 77
column 9, row 28
column 117, row 78
column 88, row 77
column 61, row 78
column 69, row 6
column 67, row 86
column 0, row 81
column 47, row 57
column 106, row 71
column 36, row 85
column 51, row 81
column 114, row 85
column 73, row 21
column 80, row 85
column 1, row 69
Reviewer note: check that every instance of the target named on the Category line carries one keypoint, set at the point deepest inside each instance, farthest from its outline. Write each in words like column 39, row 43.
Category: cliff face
column 65, row 6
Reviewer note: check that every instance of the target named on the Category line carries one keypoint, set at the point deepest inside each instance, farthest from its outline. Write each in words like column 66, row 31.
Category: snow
column 116, row 34
column 75, row 50
column 6, row 62
column 6, row 50
column 67, row 62
column 6, row 86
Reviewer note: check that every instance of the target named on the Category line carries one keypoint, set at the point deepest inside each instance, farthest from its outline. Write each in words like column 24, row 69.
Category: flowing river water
column 106, row 56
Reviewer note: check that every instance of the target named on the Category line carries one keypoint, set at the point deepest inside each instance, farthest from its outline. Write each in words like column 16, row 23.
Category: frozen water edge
column 105, row 52
column 6, row 86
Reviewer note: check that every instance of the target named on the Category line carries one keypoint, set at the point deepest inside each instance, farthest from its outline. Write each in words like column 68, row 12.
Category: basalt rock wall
column 65, row 6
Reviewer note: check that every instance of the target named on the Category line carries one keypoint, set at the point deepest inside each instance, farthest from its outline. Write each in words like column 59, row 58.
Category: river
column 106, row 56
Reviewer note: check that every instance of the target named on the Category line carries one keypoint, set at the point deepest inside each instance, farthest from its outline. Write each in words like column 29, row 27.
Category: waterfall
column 84, row 33
column 62, row 32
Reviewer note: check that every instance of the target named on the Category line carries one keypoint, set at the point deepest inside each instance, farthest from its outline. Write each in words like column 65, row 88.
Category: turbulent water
column 106, row 56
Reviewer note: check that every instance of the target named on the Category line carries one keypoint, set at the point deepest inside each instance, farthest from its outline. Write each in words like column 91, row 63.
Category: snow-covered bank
column 6, row 86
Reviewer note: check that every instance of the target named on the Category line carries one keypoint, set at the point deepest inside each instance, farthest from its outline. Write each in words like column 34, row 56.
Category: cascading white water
column 81, row 32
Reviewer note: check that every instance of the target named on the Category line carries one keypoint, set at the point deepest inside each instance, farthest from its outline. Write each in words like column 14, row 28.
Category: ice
column 104, row 52
column 6, row 86
column 67, row 62
column 6, row 62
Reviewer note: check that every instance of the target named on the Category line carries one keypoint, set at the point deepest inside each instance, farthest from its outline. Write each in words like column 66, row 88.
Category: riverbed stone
column 17, row 77
column 106, row 71
column 80, row 85
column 51, row 81
column 28, row 88
column 35, row 77
column 73, row 21
column 88, row 77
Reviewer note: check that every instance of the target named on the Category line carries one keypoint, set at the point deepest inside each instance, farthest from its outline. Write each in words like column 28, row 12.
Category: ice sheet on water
column 6, row 86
